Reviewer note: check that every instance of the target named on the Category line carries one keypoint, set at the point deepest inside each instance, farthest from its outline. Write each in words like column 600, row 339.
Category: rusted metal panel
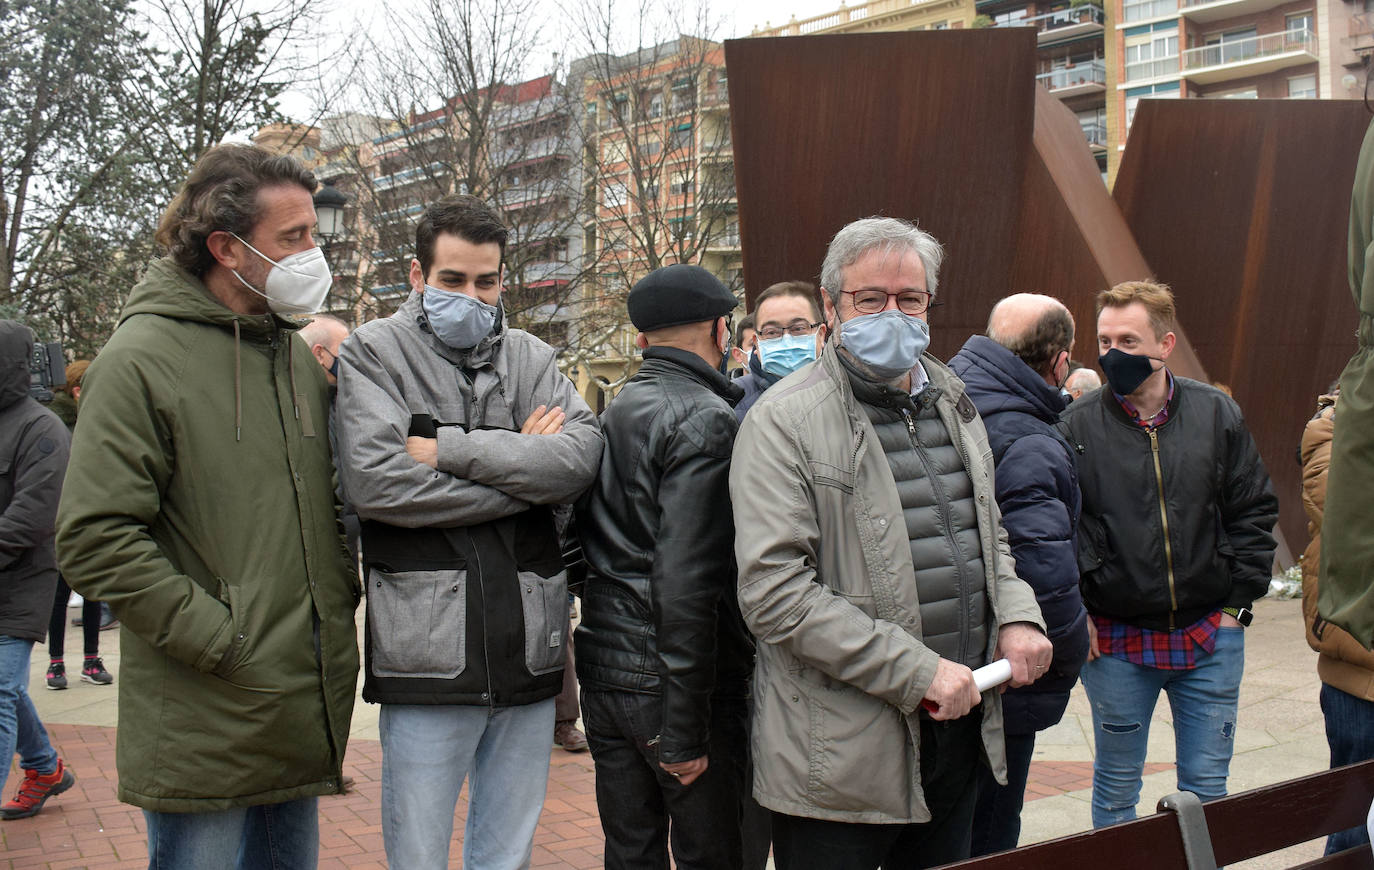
column 1242, row 206
column 929, row 126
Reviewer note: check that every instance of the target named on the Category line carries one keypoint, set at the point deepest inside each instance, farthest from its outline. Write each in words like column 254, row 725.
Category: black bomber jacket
column 659, row 612
column 1177, row 521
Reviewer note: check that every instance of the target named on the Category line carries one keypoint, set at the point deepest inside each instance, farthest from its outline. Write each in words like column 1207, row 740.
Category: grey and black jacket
column 1178, row 520
column 467, row 596
column 34, row 445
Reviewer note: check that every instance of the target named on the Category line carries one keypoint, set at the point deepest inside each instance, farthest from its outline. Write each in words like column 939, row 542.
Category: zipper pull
column 910, row 423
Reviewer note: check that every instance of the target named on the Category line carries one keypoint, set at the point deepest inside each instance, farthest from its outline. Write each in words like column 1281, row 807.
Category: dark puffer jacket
column 1037, row 490
column 659, row 612
column 33, row 457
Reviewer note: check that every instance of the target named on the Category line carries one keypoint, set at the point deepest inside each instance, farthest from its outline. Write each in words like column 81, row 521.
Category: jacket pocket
column 417, row 623
column 1093, row 550
column 544, row 603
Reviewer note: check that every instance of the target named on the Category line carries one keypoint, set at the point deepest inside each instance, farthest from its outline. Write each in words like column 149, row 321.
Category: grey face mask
column 457, row 319
column 889, row 343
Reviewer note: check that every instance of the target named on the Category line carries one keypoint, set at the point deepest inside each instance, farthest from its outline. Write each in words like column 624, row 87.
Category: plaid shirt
column 1169, row 650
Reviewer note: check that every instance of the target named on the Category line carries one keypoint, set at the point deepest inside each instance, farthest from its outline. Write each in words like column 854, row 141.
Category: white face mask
column 296, row 284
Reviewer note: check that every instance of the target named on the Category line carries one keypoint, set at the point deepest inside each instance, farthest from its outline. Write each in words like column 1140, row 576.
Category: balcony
column 408, row 176
column 1204, row 11
column 1065, row 25
column 728, row 240
column 1152, row 69
column 550, row 270
column 1081, row 78
column 535, row 149
column 1096, row 134
column 1242, row 58
column 1361, row 33
column 1146, row 10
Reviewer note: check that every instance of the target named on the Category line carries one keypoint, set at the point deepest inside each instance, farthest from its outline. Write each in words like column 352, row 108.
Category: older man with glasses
column 875, row 573
column 789, row 332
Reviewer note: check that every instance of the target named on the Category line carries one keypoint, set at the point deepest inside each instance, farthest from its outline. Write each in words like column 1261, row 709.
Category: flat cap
column 678, row 294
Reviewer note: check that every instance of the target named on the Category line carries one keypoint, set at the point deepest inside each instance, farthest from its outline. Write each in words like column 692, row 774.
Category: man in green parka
column 199, row 505
column 1346, row 596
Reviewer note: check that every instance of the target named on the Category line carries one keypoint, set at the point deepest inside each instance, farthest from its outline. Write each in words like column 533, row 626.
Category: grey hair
column 885, row 234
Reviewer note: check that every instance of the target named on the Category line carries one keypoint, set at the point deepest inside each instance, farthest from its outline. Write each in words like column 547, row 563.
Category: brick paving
column 87, row 827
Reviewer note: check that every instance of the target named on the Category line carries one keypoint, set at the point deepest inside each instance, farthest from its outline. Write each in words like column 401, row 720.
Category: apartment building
column 659, row 164
column 1232, row 49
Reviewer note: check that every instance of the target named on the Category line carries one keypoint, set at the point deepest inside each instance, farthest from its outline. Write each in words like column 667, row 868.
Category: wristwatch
column 1243, row 615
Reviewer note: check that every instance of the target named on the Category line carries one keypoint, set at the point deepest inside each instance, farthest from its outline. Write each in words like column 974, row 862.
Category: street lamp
column 329, row 215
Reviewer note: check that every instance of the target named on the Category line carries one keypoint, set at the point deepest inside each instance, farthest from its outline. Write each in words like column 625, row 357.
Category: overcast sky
column 353, row 16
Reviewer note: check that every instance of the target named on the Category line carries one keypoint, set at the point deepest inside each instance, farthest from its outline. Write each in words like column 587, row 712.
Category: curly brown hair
column 221, row 193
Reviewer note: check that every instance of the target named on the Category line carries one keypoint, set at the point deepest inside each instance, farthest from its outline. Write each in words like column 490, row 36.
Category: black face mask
column 1125, row 371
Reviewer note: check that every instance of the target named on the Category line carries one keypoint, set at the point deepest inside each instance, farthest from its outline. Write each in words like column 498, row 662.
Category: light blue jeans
column 1203, row 701
column 284, row 836
column 427, row 752
column 20, row 730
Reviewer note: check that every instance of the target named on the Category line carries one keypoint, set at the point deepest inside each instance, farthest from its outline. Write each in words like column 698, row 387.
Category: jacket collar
column 696, row 366
column 998, row 380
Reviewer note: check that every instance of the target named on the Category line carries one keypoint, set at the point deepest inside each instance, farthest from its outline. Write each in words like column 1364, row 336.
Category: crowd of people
column 792, row 581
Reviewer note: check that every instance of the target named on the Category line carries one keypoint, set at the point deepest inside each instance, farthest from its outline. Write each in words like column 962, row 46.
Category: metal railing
column 1151, row 69
column 1060, row 19
column 1096, row 134
column 1141, row 11
column 1093, row 72
column 1254, row 48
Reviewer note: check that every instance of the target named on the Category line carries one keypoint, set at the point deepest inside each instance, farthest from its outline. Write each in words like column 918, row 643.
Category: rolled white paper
column 992, row 675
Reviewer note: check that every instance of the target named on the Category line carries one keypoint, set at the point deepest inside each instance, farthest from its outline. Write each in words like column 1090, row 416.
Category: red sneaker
column 35, row 790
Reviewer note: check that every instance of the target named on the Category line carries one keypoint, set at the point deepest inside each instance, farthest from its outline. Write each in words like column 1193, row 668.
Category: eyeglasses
column 796, row 329
column 908, row 301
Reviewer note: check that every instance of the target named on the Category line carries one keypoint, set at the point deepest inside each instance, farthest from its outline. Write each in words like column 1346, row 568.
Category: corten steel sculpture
column 949, row 129
column 1243, row 207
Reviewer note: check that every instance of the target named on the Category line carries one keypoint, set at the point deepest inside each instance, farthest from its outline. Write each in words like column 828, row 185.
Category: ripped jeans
column 1203, row 701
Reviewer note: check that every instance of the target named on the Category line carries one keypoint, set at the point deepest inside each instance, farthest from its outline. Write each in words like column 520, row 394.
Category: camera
column 47, row 369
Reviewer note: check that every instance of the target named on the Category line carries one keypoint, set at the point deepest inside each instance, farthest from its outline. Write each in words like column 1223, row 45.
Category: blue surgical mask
column 889, row 343
column 786, row 353
column 457, row 319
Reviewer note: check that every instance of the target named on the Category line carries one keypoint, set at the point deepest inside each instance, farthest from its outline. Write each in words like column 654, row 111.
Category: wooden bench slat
column 1354, row 858
column 1274, row 817
column 1150, row 843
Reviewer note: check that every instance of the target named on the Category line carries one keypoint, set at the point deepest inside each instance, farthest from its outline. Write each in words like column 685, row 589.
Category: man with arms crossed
column 457, row 434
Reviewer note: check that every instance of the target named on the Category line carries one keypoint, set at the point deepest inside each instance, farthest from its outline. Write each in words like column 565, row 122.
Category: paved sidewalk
column 1280, row 736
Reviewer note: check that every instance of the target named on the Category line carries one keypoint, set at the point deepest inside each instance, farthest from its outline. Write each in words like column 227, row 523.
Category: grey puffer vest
column 941, row 519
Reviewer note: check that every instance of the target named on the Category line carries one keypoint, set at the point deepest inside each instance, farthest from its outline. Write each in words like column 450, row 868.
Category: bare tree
column 466, row 111
column 658, row 148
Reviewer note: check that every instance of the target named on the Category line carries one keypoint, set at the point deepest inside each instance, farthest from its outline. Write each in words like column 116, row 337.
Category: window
column 650, row 148
column 615, row 195
column 1303, row 87
column 1152, row 54
column 1250, row 93
column 652, row 103
column 682, row 137
column 1298, row 22
column 682, row 184
column 1230, row 47
column 1167, row 91
column 684, row 95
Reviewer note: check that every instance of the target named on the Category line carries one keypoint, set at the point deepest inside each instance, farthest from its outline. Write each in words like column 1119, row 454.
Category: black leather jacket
column 1200, row 477
column 659, row 612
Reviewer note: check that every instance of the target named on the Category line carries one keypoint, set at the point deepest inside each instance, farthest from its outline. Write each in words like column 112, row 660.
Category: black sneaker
column 93, row 671
column 57, row 676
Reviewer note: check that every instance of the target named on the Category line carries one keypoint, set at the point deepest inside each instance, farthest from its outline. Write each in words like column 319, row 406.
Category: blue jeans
column 284, row 836
column 427, row 752
column 1203, row 701
column 20, row 730
column 1350, row 734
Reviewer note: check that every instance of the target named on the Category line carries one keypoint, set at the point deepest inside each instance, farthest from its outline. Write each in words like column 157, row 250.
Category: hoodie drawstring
column 238, row 386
